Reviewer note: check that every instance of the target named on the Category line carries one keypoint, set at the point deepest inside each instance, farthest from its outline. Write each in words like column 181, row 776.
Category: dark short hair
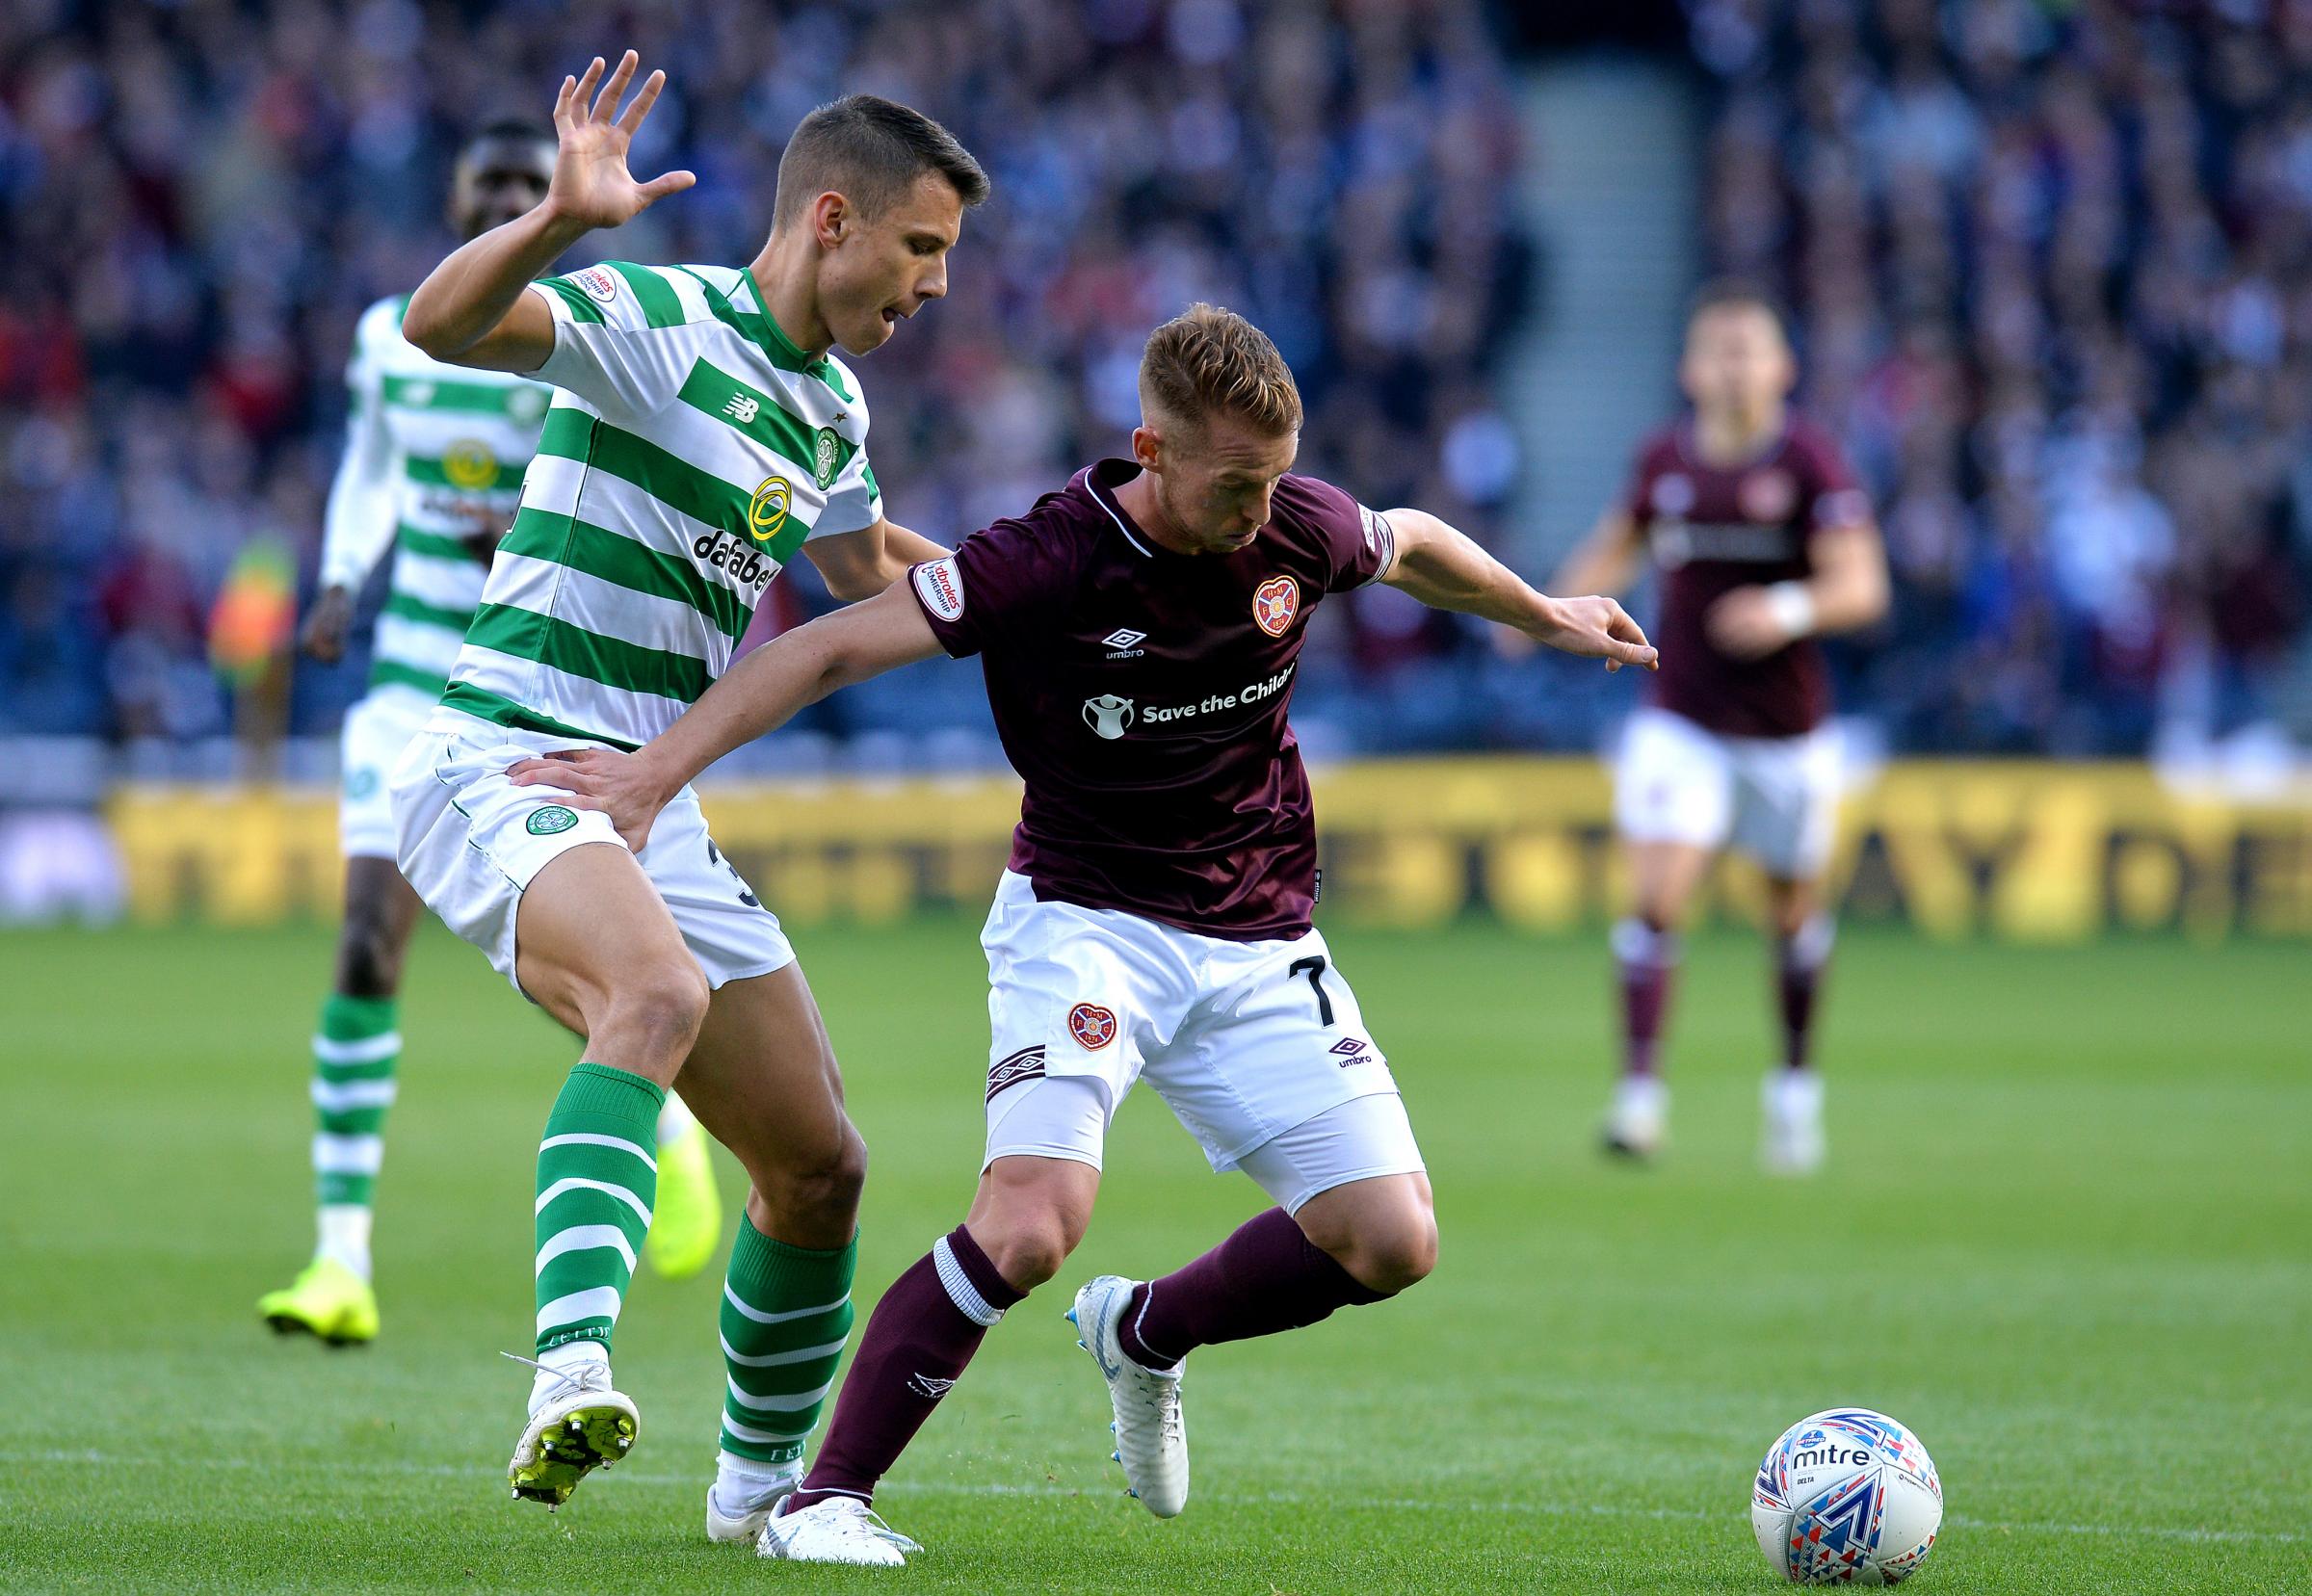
column 870, row 151
column 507, row 130
column 1735, row 294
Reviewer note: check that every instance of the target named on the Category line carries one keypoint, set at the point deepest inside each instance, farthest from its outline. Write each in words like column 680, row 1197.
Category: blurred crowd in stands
column 200, row 198
column 2052, row 266
column 2052, row 270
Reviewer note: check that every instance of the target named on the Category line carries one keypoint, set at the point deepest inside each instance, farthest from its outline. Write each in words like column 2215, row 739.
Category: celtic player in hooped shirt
column 434, row 460
column 1141, row 634
column 701, row 434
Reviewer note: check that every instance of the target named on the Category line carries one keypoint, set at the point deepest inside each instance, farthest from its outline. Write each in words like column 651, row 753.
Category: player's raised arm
column 758, row 695
column 471, row 308
column 1446, row 571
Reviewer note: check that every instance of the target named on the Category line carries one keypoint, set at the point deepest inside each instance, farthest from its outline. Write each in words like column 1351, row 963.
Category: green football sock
column 596, row 1180
column 356, row 1048
column 786, row 1313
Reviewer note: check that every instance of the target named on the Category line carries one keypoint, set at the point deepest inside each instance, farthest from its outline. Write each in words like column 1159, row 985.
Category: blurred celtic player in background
column 433, row 466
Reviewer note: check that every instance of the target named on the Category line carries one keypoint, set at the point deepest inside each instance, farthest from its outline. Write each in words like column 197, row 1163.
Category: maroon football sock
column 1265, row 1277
column 918, row 1340
column 1798, row 975
column 1646, row 957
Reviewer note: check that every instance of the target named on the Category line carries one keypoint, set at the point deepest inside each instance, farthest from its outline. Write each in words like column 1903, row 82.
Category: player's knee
column 1389, row 1256
column 368, row 956
column 819, row 1190
column 654, row 1013
column 1028, row 1246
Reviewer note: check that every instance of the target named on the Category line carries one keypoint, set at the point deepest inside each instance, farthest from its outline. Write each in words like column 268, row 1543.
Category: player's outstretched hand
column 620, row 785
column 591, row 183
column 327, row 625
column 1597, row 628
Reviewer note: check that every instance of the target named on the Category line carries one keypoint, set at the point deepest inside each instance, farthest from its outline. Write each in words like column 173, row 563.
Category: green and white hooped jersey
column 691, row 450
column 434, row 455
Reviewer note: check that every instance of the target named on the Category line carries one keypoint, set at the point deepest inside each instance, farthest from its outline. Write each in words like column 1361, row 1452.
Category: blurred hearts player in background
column 1764, row 543
column 433, row 467
column 1140, row 631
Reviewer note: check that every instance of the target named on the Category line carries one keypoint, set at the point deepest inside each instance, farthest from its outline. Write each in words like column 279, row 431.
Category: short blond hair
column 1208, row 360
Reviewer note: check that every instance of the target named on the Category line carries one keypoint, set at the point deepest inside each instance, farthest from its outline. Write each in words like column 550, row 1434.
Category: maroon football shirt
column 1141, row 695
column 1712, row 528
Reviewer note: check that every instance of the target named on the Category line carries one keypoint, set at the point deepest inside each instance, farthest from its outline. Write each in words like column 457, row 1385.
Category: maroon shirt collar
column 1099, row 482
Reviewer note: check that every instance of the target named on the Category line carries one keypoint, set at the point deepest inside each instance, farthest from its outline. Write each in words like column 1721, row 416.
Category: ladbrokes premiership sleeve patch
column 939, row 589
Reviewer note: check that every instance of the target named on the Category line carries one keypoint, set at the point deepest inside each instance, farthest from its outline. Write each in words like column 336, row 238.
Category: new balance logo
column 930, row 1386
column 741, row 408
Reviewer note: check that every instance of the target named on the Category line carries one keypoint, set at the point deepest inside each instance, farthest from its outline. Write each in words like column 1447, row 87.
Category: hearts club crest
column 1093, row 1026
column 1274, row 604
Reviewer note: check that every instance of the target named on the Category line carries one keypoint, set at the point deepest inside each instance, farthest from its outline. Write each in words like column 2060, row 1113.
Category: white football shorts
column 1259, row 1048
column 1772, row 797
column 377, row 728
column 471, row 841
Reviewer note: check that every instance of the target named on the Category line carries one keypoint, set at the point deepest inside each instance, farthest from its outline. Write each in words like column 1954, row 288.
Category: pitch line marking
column 1282, row 1499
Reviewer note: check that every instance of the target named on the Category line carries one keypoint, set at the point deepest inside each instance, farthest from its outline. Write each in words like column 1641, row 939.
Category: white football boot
column 754, row 1504
column 1790, row 1138
column 1637, row 1121
column 841, row 1529
column 578, row 1422
column 1152, row 1434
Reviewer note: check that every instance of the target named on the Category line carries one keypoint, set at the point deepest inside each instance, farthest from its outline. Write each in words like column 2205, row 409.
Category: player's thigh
column 548, row 889
column 1663, row 878
column 1278, row 1039
column 1673, row 785
column 592, row 937
column 1787, row 799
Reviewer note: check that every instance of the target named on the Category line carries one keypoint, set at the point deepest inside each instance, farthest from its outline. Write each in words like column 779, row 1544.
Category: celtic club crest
column 827, row 457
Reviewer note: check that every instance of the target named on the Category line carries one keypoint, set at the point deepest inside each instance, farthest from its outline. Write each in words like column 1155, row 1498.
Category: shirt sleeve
column 854, row 499
column 623, row 334
column 996, row 587
column 359, row 523
column 1359, row 544
column 1836, row 499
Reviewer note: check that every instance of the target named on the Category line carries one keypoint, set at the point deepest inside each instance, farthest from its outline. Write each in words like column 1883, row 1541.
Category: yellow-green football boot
column 686, row 1222
column 326, row 1300
column 579, row 1423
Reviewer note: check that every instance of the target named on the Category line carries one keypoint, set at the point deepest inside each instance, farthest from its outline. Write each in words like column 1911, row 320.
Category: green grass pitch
column 2065, row 1234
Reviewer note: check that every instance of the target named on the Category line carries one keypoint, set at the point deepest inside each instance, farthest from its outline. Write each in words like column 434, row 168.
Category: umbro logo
column 1124, row 643
column 929, row 1385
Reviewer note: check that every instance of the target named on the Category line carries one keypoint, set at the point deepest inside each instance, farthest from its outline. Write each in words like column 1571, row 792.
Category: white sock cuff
column 959, row 1290
column 1810, row 949
column 1634, row 942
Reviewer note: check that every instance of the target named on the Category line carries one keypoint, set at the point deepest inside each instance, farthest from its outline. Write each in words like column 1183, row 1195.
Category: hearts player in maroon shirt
column 1140, row 631
column 1764, row 543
